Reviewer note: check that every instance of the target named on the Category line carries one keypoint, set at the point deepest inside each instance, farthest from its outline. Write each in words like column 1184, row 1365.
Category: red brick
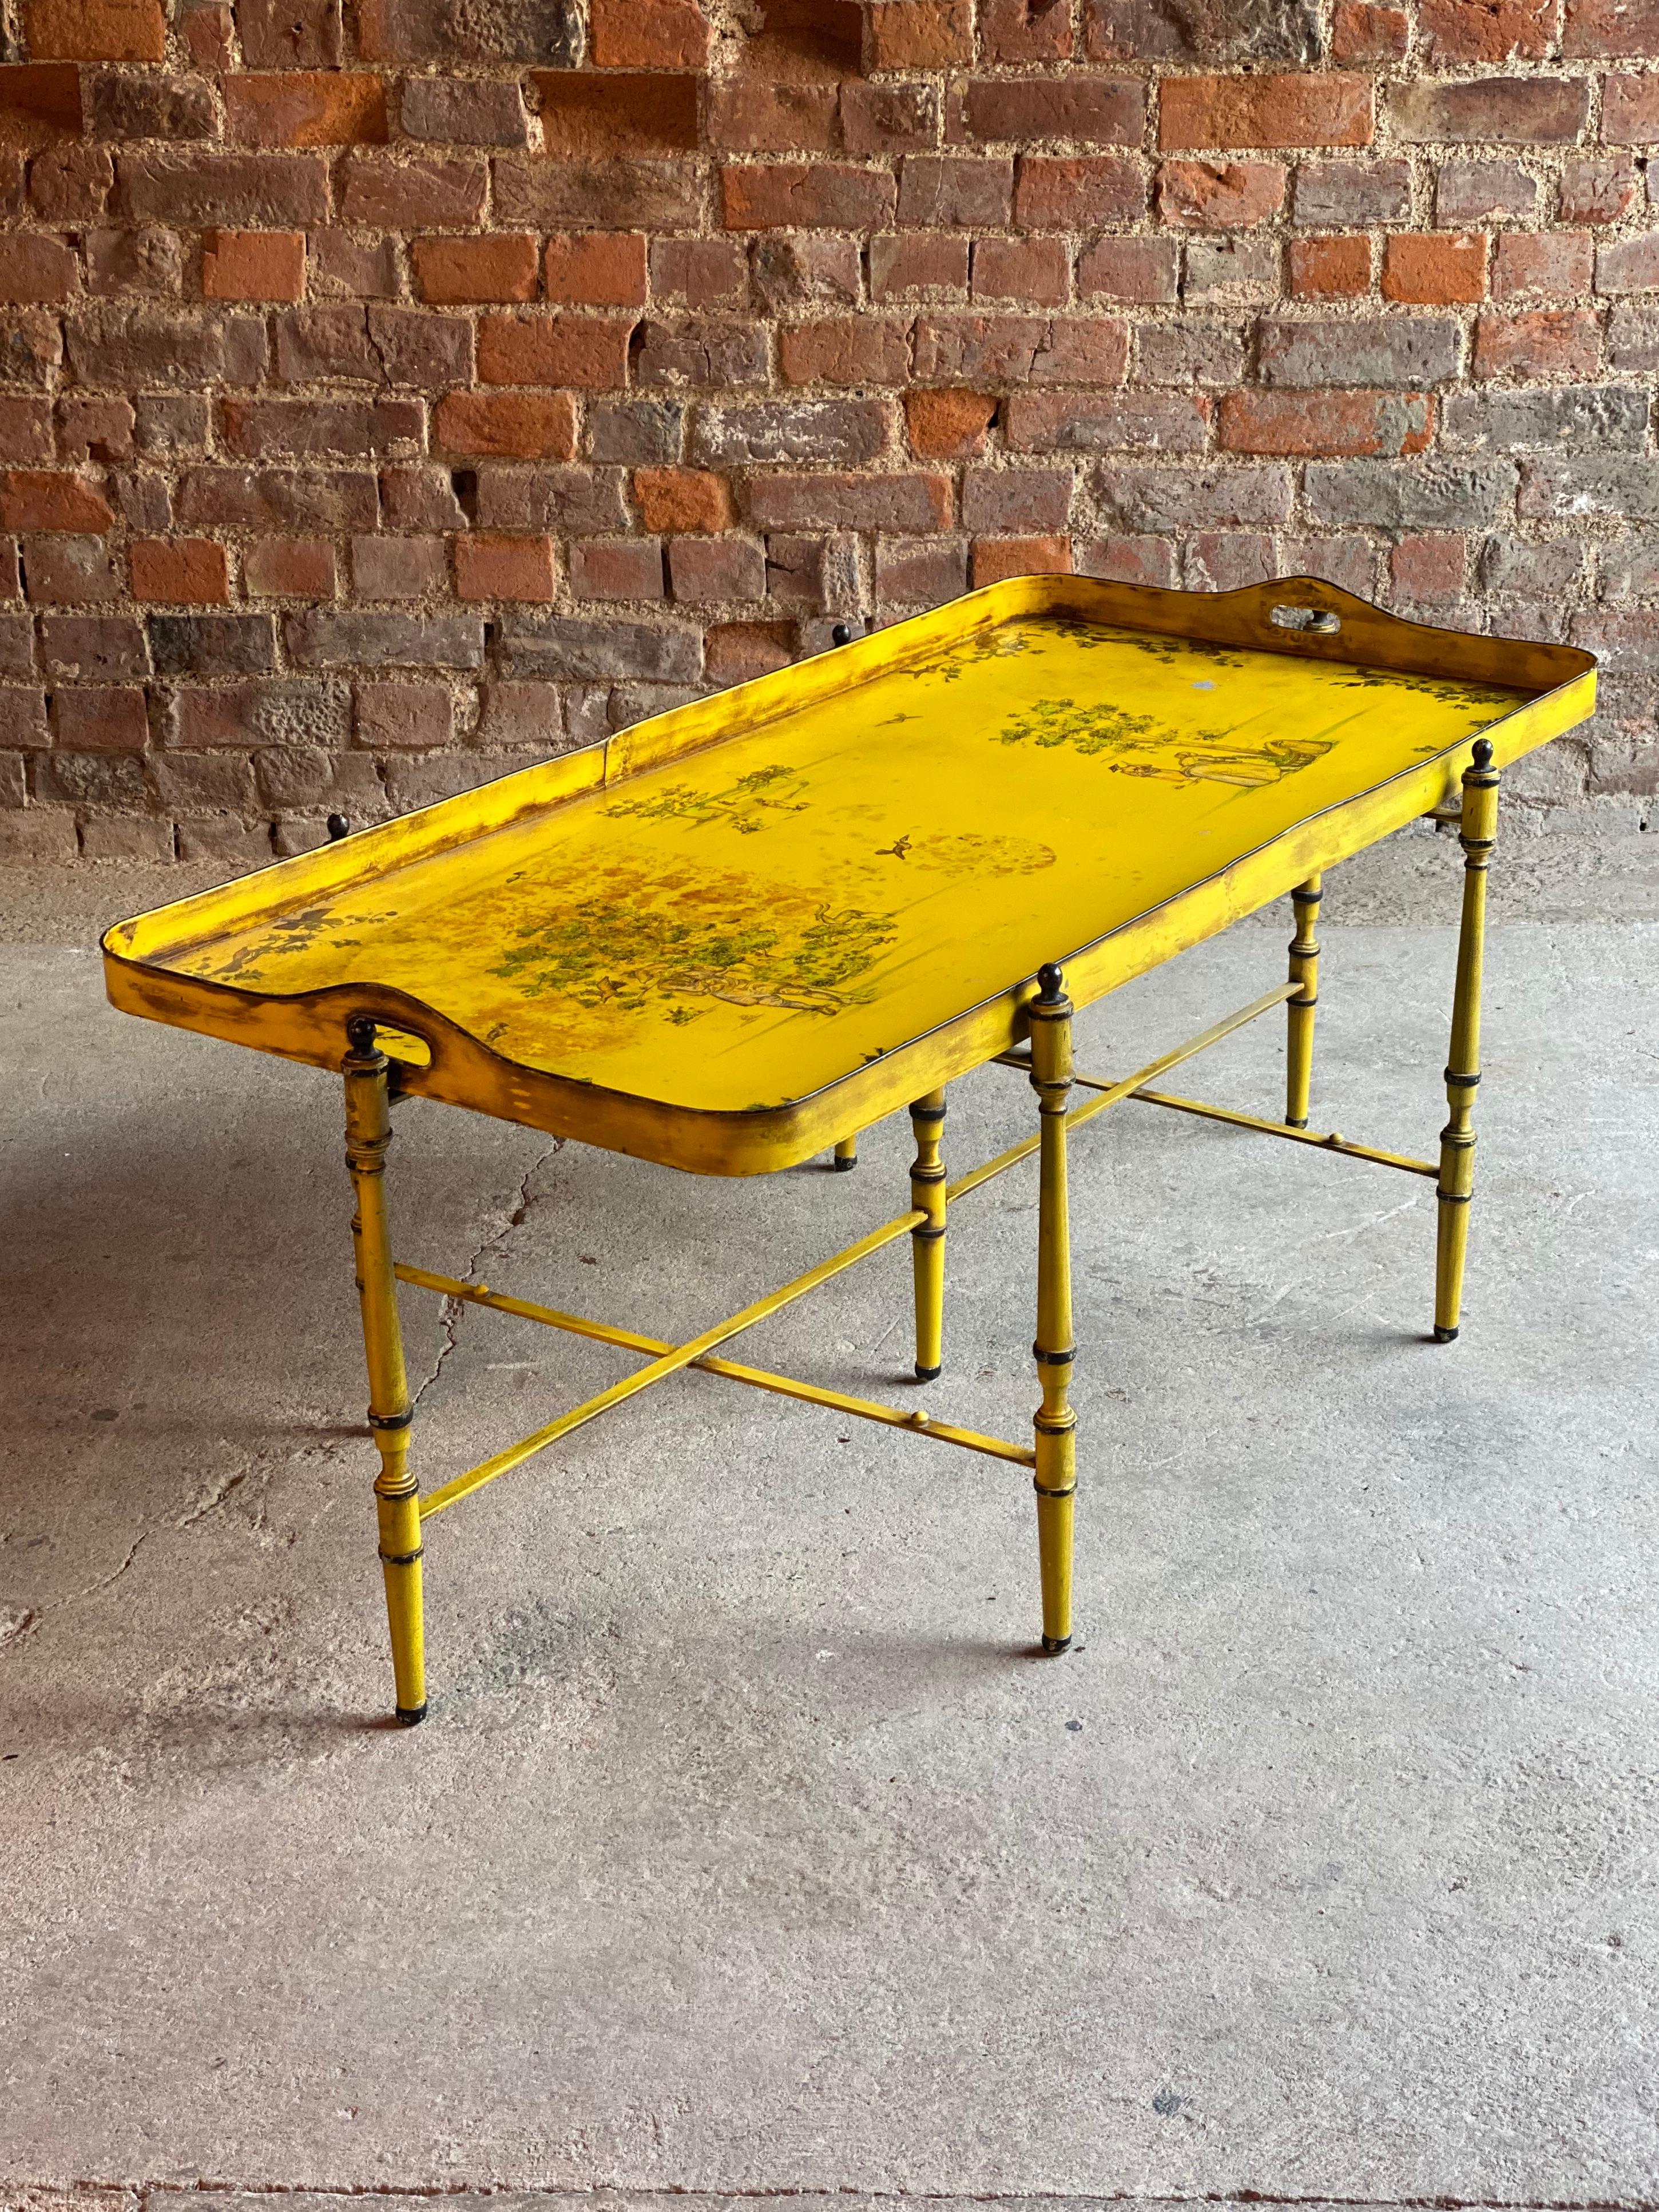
column 1128, row 560
column 39, row 103
column 491, row 565
column 1559, row 342
column 675, row 501
column 180, row 571
column 400, row 569
column 72, row 571
column 530, row 426
column 1330, row 267
column 734, row 652
column 912, row 261
column 96, row 30
column 34, row 269
column 418, row 715
column 595, row 268
column 589, row 351
column 912, row 503
column 1102, row 111
column 103, row 718
column 851, row 350
column 71, row 184
column 306, row 107
column 1542, row 264
column 1143, row 270
column 1037, row 271
column 806, row 41
column 921, row 34
column 889, row 119
column 1219, row 195
column 43, row 499
column 664, row 34
column 805, row 196
column 94, row 428
column 702, row 569
column 209, row 36
column 1428, row 567
column 623, row 568
column 941, row 191
column 602, row 117
column 700, row 272
column 1057, row 192
column 746, row 117
column 1361, row 31
column 1599, row 191
column 289, row 568
column 449, row 271
column 254, row 264
column 1327, row 110
column 1488, row 30
column 995, row 558
column 1594, row 29
column 919, row 571
column 1330, row 424
column 1629, row 110
column 378, row 192
column 1435, row 270
column 948, row 426
column 1025, row 30
column 25, row 430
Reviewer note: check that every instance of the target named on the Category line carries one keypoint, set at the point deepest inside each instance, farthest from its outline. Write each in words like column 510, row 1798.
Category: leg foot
column 410, row 1716
column 1053, row 1645
column 847, row 1154
column 1444, row 1335
column 928, row 1374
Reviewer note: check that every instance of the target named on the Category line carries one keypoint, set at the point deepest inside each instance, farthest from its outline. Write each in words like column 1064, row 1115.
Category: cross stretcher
column 733, row 937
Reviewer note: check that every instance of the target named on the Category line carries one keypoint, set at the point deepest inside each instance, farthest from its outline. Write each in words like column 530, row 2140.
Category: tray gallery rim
column 733, row 1140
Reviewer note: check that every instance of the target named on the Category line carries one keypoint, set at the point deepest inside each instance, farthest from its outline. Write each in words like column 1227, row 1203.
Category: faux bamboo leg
column 397, row 1495
column 1478, row 834
column 1304, row 974
column 846, row 1154
column 1050, row 1015
column 928, row 1241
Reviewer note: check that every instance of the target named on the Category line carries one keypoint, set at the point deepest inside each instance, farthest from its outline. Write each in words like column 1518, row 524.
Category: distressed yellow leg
column 1050, row 1015
column 397, row 1497
column 927, row 1240
column 1478, row 834
column 846, row 1154
column 1304, row 974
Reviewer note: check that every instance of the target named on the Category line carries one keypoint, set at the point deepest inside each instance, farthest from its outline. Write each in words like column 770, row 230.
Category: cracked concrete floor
column 747, row 1850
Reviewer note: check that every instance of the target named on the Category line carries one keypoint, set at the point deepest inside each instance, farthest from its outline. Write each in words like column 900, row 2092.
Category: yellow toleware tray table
column 735, row 935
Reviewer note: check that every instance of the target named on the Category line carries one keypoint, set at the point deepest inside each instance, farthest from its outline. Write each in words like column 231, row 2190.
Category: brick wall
column 384, row 402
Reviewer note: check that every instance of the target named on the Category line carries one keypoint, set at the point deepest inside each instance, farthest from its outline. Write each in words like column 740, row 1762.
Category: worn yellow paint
column 747, row 930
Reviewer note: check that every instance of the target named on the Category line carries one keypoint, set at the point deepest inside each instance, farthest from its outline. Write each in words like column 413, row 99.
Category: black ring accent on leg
column 1460, row 1082
column 1455, row 1197
column 1054, row 1359
column 929, row 1374
column 392, row 1420
column 403, row 1559
column 928, row 1235
column 1301, row 1124
column 410, row 1716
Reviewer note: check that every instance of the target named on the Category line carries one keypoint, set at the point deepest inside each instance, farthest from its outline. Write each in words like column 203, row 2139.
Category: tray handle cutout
column 406, row 1045
column 1318, row 622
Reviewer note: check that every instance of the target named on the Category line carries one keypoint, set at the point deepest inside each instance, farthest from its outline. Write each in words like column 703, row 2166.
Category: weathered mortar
column 385, row 404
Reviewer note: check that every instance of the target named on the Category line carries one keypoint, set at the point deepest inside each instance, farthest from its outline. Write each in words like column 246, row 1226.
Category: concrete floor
column 748, row 1849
